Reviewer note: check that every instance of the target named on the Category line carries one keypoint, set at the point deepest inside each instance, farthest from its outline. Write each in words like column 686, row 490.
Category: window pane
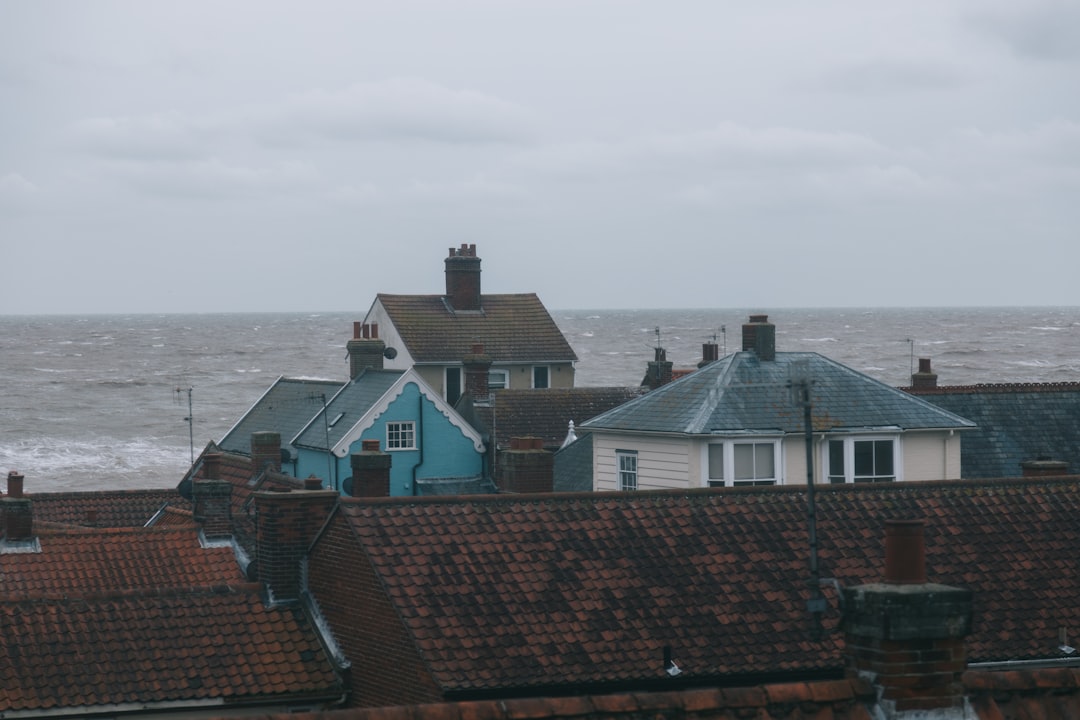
column 716, row 461
column 836, row 461
column 864, row 458
column 540, row 376
column 763, row 460
column 743, row 455
column 627, row 462
column 883, row 458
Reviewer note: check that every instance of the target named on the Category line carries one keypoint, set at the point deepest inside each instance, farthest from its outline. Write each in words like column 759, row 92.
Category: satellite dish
column 390, row 353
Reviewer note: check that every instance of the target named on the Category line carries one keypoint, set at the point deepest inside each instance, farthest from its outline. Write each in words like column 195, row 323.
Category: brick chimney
column 477, row 365
column 463, row 278
column 212, row 500
column 906, row 635
column 925, row 378
column 18, row 511
column 285, row 525
column 370, row 471
column 265, row 452
column 659, row 370
column 759, row 337
column 526, row 467
column 710, row 353
column 365, row 349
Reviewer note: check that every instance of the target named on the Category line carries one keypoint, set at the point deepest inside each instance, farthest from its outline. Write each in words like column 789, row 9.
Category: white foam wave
column 51, row 463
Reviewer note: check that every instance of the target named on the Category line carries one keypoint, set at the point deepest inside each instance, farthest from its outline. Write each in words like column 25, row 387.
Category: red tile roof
column 217, row 644
column 512, row 328
column 81, row 562
column 546, row 414
column 103, row 508
column 519, row 591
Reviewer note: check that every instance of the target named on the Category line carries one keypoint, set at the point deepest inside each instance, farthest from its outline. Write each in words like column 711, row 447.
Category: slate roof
column 285, row 408
column 1016, row 423
column 573, row 466
column 523, row 591
column 546, row 413
column 351, row 403
column 740, row 392
column 102, row 508
column 513, row 328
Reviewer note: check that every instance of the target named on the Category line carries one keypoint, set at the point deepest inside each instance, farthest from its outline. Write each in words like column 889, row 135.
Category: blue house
column 433, row 450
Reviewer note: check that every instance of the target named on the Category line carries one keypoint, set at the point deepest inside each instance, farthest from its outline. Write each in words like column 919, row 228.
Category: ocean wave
column 51, row 463
column 820, row 340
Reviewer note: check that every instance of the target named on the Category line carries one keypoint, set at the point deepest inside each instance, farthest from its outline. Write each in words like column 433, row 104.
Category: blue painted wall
column 442, row 449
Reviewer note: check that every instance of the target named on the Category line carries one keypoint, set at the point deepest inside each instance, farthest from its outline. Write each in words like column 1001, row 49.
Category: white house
column 740, row 420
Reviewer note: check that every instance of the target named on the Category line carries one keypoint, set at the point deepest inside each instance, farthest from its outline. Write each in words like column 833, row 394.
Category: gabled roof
column 127, row 651
column 532, row 591
column 1017, row 423
column 345, row 408
column 546, row 413
column 359, row 404
column 740, row 392
column 513, row 328
column 285, row 408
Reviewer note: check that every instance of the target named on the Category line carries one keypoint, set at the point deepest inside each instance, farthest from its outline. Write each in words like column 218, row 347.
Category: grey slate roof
column 285, row 408
column 741, row 393
column 351, row 403
column 573, row 468
column 1017, row 423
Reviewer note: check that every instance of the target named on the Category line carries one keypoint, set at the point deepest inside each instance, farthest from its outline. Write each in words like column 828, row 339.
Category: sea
column 105, row 402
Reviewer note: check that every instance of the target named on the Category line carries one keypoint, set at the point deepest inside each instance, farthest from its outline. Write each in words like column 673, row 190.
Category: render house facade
column 741, row 421
column 434, row 333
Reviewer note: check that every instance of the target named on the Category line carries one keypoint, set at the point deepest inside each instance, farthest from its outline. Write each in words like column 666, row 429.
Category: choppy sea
column 102, row 401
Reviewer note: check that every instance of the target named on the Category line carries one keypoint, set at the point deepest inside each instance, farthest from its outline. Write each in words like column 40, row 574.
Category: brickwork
column 386, row 668
column 265, row 451
column 370, row 471
column 213, row 507
column 286, row 523
column 526, row 467
column 463, row 278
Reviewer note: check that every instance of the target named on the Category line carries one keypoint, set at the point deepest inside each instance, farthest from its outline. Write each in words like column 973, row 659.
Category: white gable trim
column 341, row 448
column 389, row 334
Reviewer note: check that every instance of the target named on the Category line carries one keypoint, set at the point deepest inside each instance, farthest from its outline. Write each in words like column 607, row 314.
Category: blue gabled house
column 432, row 448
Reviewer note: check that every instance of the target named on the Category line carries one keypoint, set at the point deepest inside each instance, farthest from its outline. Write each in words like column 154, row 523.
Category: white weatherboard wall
column 663, row 463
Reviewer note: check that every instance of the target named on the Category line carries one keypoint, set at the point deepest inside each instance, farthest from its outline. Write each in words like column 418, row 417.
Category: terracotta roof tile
column 513, row 592
column 102, row 508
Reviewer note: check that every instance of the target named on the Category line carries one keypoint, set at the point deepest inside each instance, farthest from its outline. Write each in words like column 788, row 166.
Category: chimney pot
column 463, row 279
column 759, row 337
column 15, row 484
column 925, row 377
column 357, row 329
column 905, row 552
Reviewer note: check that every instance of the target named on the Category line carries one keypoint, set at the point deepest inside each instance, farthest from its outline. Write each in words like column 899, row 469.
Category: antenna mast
column 800, row 384
column 190, row 420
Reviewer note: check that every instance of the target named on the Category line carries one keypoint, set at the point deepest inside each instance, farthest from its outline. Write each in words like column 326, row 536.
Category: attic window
column 336, row 419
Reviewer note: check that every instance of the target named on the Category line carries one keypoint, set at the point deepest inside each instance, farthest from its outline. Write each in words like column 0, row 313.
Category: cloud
column 1048, row 31
column 167, row 136
column 213, row 178
column 16, row 191
column 883, row 76
column 395, row 110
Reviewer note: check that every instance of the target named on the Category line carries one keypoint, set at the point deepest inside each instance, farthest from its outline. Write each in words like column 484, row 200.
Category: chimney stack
column 925, row 378
column 18, row 511
column 907, row 635
column 659, row 370
column 212, row 500
column 265, row 452
column 370, row 471
column 759, row 337
column 285, row 524
column 365, row 349
column 526, row 467
column 710, row 352
column 477, row 365
column 463, row 278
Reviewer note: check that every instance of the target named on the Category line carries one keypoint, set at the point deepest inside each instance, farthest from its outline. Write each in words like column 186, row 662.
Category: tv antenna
column 190, row 420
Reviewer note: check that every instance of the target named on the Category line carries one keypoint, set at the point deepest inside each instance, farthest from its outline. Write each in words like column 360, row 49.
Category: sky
column 238, row 156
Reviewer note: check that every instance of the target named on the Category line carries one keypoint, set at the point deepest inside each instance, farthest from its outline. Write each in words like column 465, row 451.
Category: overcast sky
column 243, row 156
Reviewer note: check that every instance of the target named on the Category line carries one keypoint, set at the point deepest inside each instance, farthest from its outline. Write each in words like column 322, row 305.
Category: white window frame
column 504, row 374
column 728, row 471
column 849, row 459
column 626, row 470
column 400, row 432
column 532, row 376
